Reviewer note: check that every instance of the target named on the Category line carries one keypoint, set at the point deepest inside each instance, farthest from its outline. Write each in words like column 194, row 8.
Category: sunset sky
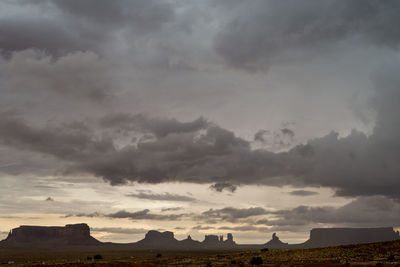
column 200, row 117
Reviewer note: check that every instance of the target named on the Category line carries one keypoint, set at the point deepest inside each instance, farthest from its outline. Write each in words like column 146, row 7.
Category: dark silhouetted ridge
column 276, row 243
column 52, row 236
column 75, row 235
column 155, row 239
column 323, row 237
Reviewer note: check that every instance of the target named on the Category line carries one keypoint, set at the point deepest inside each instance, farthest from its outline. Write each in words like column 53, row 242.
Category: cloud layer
column 264, row 33
column 202, row 152
column 212, row 95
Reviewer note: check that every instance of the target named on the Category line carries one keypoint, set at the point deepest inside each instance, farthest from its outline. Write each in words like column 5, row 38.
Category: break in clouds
column 225, row 94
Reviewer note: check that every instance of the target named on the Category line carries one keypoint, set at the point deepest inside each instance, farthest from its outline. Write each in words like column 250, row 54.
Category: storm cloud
column 263, row 33
column 147, row 103
column 79, row 26
column 364, row 211
column 201, row 152
column 230, row 214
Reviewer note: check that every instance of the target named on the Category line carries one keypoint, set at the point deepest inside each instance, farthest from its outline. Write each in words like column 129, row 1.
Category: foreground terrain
column 375, row 254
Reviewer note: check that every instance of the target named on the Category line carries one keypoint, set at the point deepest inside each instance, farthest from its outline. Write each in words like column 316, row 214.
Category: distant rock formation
column 79, row 235
column 213, row 241
column 166, row 240
column 155, row 239
column 54, row 236
column 229, row 241
column 189, row 243
column 323, row 237
column 275, row 243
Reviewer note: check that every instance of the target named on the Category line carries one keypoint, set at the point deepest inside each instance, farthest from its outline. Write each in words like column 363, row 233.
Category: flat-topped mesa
column 155, row 235
column 71, row 234
column 320, row 237
column 158, row 239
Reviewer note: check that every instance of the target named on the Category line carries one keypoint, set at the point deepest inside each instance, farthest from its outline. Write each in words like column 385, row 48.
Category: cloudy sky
column 200, row 117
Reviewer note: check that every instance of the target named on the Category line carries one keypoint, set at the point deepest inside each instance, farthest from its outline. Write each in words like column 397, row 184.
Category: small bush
column 256, row 261
column 391, row 257
column 159, row 255
column 89, row 258
column 264, row 250
column 97, row 257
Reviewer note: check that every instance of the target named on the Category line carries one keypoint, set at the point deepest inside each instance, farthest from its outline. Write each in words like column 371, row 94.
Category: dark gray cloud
column 279, row 140
column 262, row 33
column 303, row 193
column 17, row 34
column 141, row 16
column 80, row 75
column 162, row 197
column 260, row 135
column 76, row 25
column 287, row 132
column 364, row 211
column 68, row 141
column 144, row 215
column 157, row 126
column 172, row 209
column 137, row 215
column 200, row 151
column 230, row 214
column 219, row 187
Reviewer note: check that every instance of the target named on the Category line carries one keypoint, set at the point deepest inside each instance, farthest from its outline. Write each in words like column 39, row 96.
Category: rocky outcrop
column 229, row 241
column 54, row 236
column 275, row 243
column 323, row 237
column 155, row 239
column 166, row 240
column 79, row 235
column 189, row 243
column 213, row 242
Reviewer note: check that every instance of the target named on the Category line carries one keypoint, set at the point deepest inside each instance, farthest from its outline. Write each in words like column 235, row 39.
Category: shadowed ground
column 375, row 254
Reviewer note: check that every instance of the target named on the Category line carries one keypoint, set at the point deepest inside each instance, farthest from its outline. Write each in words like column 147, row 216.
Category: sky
column 200, row 117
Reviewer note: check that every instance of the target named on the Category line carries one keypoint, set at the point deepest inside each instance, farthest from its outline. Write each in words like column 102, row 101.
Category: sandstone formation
column 213, row 241
column 323, row 237
column 155, row 239
column 70, row 235
column 79, row 235
column 166, row 240
column 189, row 243
column 275, row 243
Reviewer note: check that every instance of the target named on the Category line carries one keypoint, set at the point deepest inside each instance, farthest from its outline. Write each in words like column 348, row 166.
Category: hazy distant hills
column 79, row 235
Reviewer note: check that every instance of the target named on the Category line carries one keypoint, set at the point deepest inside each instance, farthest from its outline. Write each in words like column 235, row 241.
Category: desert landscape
column 375, row 254
column 199, row 132
column 73, row 245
